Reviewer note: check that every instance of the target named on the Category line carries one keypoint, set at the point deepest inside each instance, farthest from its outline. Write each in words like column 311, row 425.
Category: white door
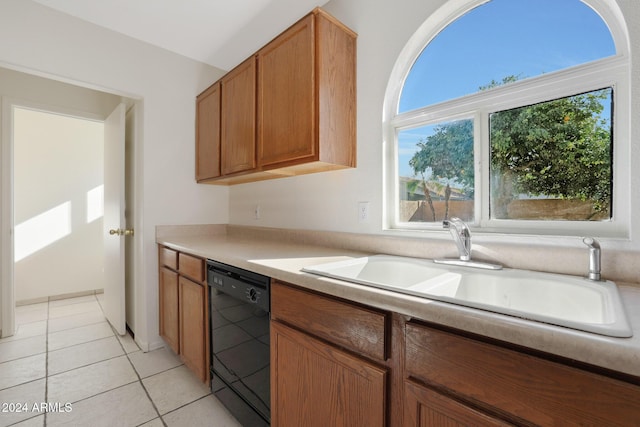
column 114, row 220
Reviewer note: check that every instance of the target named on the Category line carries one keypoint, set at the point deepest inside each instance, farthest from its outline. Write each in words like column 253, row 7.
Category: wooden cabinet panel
column 427, row 408
column 169, row 320
column 169, row 258
column 192, row 327
column 356, row 328
column 191, row 266
column 238, row 119
column 208, row 133
column 336, row 76
column 307, row 97
column 286, row 96
column 315, row 384
column 183, row 309
column 533, row 389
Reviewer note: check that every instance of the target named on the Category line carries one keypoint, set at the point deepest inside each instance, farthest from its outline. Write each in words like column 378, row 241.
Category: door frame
column 7, row 285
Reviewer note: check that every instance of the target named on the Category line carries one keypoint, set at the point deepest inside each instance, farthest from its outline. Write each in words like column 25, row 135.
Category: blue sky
column 498, row 39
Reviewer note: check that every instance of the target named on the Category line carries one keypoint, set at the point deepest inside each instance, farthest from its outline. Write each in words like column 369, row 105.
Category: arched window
column 511, row 115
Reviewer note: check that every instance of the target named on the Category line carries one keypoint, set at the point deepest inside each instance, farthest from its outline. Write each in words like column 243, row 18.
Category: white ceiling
column 221, row 33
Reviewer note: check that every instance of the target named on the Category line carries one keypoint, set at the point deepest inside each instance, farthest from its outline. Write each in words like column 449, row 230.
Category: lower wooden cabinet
column 183, row 309
column 317, row 384
column 414, row 374
column 327, row 361
column 193, row 321
column 516, row 386
column 169, row 320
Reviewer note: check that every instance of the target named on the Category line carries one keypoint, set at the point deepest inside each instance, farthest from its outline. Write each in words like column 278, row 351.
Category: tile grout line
column 189, row 403
column 80, row 343
column 146, row 392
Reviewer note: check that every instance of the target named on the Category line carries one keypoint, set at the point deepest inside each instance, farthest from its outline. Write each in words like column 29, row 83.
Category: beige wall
column 58, row 161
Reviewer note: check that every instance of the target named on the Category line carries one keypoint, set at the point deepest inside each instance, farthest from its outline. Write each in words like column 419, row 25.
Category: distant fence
column 419, row 211
column 530, row 209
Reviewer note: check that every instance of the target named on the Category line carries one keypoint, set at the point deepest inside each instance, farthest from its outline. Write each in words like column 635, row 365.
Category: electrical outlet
column 363, row 211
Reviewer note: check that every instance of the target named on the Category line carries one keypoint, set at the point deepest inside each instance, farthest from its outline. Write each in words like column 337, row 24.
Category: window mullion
column 482, row 152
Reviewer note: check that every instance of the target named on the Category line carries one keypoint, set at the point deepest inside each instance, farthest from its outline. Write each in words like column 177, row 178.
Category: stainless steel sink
column 568, row 301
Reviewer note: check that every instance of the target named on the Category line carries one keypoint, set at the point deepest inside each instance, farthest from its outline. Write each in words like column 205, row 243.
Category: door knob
column 121, row 232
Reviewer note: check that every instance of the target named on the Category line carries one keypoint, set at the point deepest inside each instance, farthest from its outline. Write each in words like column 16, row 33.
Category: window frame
column 612, row 72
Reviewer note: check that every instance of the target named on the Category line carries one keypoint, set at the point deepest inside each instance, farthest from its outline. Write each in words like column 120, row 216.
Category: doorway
column 58, row 204
column 37, row 93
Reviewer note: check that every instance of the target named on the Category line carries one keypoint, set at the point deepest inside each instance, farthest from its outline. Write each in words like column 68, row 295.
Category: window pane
column 505, row 38
column 552, row 161
column 436, row 172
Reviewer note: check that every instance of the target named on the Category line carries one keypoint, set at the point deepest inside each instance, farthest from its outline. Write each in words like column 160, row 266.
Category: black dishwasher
column 239, row 321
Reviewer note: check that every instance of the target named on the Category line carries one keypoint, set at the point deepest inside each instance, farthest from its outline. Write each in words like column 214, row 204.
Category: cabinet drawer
column 350, row 326
column 169, row 258
column 528, row 387
column 191, row 266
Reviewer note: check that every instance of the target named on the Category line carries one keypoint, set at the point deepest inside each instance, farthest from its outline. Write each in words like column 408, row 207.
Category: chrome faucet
column 461, row 236
column 594, row 258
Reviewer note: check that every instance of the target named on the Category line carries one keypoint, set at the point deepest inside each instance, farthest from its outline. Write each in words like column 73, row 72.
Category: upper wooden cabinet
column 286, row 96
column 238, row 119
column 306, row 96
column 208, row 133
column 298, row 114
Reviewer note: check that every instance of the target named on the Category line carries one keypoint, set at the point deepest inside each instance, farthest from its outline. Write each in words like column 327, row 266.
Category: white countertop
column 283, row 260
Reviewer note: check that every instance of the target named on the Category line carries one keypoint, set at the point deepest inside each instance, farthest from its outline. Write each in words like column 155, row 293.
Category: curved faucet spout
column 461, row 236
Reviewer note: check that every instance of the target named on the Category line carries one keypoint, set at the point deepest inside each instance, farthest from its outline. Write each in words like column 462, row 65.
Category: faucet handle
column 594, row 258
column 591, row 242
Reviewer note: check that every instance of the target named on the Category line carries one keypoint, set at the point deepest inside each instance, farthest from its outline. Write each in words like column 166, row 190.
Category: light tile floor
column 65, row 366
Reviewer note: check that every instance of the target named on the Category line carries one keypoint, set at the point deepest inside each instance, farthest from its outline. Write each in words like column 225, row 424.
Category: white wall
column 328, row 201
column 39, row 40
column 58, row 237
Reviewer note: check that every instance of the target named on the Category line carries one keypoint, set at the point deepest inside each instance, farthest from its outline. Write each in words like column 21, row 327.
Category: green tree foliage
column 448, row 154
column 555, row 149
column 559, row 149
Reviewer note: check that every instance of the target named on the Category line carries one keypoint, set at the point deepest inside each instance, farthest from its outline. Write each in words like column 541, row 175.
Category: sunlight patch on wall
column 42, row 230
column 95, row 203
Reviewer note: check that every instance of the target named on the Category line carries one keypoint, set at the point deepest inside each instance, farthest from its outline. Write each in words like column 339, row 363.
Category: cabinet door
column 192, row 326
column 316, row 384
column 426, row 408
column 238, row 119
column 208, row 133
column 286, row 96
column 537, row 390
column 169, row 320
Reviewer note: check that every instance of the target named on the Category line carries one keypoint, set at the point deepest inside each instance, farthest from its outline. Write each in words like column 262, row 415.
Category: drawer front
column 169, row 258
column 528, row 387
column 191, row 267
column 350, row 326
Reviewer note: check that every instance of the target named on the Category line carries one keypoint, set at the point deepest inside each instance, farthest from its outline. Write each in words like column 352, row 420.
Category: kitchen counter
column 283, row 259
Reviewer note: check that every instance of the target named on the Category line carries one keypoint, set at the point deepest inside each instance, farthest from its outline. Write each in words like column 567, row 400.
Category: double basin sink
column 569, row 301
